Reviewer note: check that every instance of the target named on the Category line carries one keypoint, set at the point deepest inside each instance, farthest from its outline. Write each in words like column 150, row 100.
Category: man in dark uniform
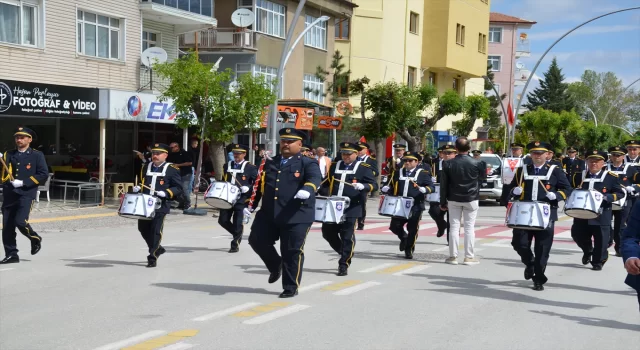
column 288, row 185
column 26, row 170
column 395, row 162
column 438, row 215
column 425, row 163
column 540, row 182
column 181, row 158
column 160, row 179
column 633, row 151
column 414, row 182
column 363, row 156
column 572, row 164
column 347, row 178
column 476, row 153
column 550, row 159
column 625, row 172
column 606, row 183
column 242, row 174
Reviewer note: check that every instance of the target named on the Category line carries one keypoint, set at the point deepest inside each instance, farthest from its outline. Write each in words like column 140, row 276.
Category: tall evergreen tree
column 552, row 93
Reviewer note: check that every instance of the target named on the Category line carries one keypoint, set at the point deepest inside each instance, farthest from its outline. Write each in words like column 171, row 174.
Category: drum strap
column 154, row 175
column 534, row 178
column 403, row 171
column 343, row 175
column 235, row 172
column 591, row 181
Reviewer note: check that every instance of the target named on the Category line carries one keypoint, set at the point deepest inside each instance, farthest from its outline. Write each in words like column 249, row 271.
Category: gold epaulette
column 613, row 174
column 365, row 164
column 174, row 166
column 372, row 158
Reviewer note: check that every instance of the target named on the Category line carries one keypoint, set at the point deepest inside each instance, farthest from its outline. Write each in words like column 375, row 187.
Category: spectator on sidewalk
column 460, row 194
column 182, row 159
column 323, row 161
column 630, row 250
column 194, row 150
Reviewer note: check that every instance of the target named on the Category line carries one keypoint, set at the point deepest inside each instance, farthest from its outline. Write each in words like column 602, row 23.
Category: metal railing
column 149, row 80
column 219, row 38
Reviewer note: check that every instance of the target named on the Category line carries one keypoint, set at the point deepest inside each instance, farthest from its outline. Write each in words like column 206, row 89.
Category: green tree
column 337, row 76
column 552, row 94
column 545, row 125
column 198, row 90
column 475, row 107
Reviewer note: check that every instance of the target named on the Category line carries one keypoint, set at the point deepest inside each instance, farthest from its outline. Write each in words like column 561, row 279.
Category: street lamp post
column 504, row 110
column 593, row 114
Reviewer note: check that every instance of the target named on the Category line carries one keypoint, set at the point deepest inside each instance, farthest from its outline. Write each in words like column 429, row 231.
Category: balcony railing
column 200, row 7
column 523, row 48
column 149, row 80
column 220, row 39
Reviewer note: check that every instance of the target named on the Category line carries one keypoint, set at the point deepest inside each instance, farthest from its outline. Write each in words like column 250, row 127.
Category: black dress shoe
column 10, row 260
column 528, row 272
column 342, row 271
column 152, row 264
column 597, row 268
column 234, row 250
column 440, row 233
column 35, row 247
column 408, row 255
column 538, row 286
column 160, row 252
column 403, row 243
column 586, row 258
column 275, row 276
column 360, row 227
column 288, row 294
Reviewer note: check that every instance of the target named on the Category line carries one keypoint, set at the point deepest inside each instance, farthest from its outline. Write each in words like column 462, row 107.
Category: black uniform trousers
column 582, row 232
column 151, row 231
column 264, row 234
column 521, row 243
column 438, row 216
column 413, row 224
column 365, row 196
column 231, row 220
column 342, row 239
column 15, row 214
column 619, row 224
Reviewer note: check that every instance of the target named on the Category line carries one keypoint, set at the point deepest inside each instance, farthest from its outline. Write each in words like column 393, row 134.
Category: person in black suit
column 630, row 250
column 162, row 180
column 633, row 151
column 606, row 183
column 414, row 182
column 572, row 164
column 347, row 178
column 394, row 163
column 363, row 156
column 242, row 174
column 550, row 159
column 540, row 182
column 26, row 170
column 287, row 189
column 625, row 172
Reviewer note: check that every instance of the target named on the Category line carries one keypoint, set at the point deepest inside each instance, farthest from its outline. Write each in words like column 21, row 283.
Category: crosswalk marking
column 341, row 285
column 178, row 346
column 376, row 268
column 277, row 314
column 226, row 312
column 357, row 288
column 255, row 311
column 563, row 234
column 411, row 270
column 502, row 243
column 159, row 342
column 314, row 286
column 396, row 268
column 132, row 340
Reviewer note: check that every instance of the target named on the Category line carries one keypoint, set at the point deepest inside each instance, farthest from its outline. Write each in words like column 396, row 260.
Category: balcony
column 523, row 48
column 150, row 81
column 185, row 16
column 220, row 39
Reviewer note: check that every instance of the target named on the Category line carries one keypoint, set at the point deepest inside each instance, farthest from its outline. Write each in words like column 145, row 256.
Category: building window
column 495, row 63
column 313, row 88
column 201, row 7
column 456, row 85
column 482, row 43
column 341, row 89
column 149, row 39
column 497, row 88
column 460, row 34
column 19, row 22
column 432, row 78
column 270, row 18
column 413, row 22
column 243, row 68
column 270, row 74
column 342, row 28
column 495, row 34
column 411, row 77
column 98, row 36
column 317, row 35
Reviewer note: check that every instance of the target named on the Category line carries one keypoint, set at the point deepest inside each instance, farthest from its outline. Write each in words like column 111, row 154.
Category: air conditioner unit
column 245, row 3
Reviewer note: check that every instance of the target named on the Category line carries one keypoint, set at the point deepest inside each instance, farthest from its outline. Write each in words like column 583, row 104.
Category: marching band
column 600, row 189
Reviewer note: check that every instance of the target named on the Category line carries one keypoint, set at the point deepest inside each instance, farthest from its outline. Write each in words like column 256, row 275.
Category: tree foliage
column 338, row 78
column 552, row 93
column 475, row 107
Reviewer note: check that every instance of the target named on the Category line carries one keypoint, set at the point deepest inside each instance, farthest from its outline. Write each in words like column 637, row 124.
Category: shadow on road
column 592, row 321
column 92, row 263
column 214, row 289
column 180, row 249
column 518, row 263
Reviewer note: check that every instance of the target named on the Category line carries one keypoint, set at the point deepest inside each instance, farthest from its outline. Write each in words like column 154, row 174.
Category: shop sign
column 329, row 123
column 300, row 116
column 141, row 107
column 19, row 98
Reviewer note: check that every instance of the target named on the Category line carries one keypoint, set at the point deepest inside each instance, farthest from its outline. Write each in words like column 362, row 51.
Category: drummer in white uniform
column 625, row 172
column 160, row 179
column 413, row 182
column 539, row 182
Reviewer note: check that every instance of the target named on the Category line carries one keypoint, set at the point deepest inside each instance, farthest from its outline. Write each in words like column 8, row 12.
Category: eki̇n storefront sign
column 19, row 98
column 140, row 107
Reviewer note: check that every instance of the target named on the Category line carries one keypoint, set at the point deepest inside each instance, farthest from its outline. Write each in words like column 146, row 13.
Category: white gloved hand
column 551, row 196
column 1, row 154
column 161, row 194
column 434, row 179
column 246, row 212
column 422, row 189
column 244, row 189
column 398, row 160
column 358, row 186
column 630, row 189
column 385, row 189
column 302, row 194
column 136, row 189
column 17, row 183
column 517, row 191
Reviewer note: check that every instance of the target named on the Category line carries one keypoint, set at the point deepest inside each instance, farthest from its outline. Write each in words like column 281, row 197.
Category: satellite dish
column 519, row 65
column 242, row 17
column 153, row 55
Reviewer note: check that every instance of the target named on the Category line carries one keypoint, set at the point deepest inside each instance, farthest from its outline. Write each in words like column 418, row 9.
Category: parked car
column 492, row 186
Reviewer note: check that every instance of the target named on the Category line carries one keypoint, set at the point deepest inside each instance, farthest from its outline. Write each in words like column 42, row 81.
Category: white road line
column 501, row 243
column 223, row 236
column 314, row 286
column 226, row 312
column 567, row 249
column 7, row 269
column 441, row 249
column 276, row 314
column 376, row 268
column 178, row 346
column 129, row 341
column 169, row 244
column 357, row 288
column 506, row 233
column 90, row 256
column 412, row 270
column 564, row 234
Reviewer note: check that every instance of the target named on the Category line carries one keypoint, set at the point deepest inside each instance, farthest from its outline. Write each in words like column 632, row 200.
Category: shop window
column 79, row 137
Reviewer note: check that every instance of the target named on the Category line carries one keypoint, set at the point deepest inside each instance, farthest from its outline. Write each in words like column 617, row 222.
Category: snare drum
column 138, row 206
column 331, row 209
column 222, row 195
column 583, row 204
column 435, row 196
column 395, row 206
column 528, row 215
column 619, row 204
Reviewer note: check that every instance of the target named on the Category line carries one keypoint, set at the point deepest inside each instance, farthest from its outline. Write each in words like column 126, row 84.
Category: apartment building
column 72, row 72
column 507, row 43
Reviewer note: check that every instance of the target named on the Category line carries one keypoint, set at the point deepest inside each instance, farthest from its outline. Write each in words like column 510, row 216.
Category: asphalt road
column 88, row 289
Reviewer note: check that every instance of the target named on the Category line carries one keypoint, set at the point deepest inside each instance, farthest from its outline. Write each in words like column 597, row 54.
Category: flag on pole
column 510, row 117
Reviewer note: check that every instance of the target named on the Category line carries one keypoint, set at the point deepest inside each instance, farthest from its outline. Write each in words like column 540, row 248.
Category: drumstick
column 545, row 189
column 344, row 182
column 6, row 168
column 255, row 184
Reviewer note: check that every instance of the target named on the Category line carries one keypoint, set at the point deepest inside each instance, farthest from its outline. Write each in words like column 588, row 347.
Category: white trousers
column 458, row 211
